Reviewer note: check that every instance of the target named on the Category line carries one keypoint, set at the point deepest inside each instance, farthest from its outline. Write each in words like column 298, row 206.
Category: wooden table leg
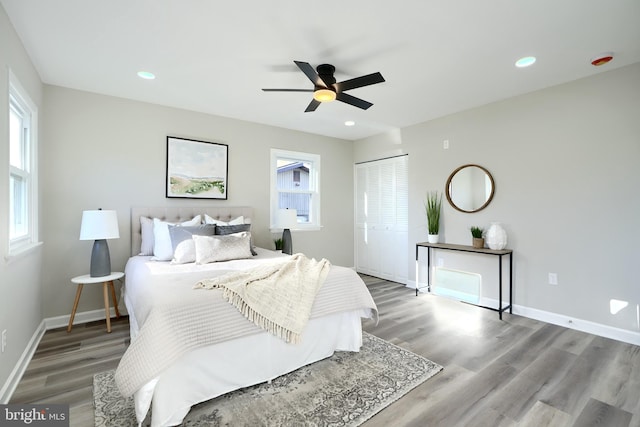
column 113, row 297
column 105, row 291
column 75, row 307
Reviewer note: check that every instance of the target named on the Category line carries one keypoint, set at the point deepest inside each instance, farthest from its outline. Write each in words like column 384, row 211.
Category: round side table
column 107, row 284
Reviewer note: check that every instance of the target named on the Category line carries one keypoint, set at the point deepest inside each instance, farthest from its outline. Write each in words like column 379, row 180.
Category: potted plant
column 432, row 207
column 278, row 242
column 478, row 240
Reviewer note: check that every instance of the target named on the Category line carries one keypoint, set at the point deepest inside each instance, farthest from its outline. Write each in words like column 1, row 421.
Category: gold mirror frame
column 447, row 189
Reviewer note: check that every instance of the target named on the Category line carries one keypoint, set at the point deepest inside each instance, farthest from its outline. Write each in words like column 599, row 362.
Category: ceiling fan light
column 324, row 95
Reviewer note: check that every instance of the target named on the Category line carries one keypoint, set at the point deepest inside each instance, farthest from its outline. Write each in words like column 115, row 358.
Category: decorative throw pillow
column 222, row 248
column 162, row 248
column 235, row 221
column 223, row 230
column 146, row 230
column 184, row 248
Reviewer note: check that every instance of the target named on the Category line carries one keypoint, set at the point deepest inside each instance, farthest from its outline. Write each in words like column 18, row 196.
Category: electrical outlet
column 4, row 340
column 445, row 144
column 440, row 262
column 553, row 279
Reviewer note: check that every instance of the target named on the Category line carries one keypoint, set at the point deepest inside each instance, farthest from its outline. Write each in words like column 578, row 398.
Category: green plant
column 432, row 207
column 278, row 242
column 477, row 232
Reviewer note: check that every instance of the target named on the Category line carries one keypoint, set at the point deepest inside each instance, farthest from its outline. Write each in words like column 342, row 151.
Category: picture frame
column 196, row 169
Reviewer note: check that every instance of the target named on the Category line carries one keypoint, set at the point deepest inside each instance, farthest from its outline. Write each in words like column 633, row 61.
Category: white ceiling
column 438, row 57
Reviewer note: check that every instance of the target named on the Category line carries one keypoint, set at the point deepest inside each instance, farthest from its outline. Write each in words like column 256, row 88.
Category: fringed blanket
column 276, row 297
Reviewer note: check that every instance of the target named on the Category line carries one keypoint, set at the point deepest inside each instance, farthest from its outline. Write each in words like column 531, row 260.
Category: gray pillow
column 180, row 233
column 223, row 230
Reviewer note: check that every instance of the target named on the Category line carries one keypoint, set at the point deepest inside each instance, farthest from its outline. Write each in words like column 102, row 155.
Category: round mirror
column 470, row 188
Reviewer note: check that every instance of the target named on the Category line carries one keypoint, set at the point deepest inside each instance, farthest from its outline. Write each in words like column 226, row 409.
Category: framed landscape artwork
column 196, row 169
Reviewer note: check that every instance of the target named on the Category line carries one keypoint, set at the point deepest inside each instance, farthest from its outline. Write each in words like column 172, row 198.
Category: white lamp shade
column 97, row 225
column 286, row 218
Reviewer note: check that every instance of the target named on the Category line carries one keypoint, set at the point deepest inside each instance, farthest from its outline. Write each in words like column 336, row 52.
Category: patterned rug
column 345, row 389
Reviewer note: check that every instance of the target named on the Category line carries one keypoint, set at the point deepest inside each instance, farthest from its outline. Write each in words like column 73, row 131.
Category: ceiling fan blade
column 352, row 100
column 369, row 79
column 287, row 90
column 308, row 70
column 312, row 106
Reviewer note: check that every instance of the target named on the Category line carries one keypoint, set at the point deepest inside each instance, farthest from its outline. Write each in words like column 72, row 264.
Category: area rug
column 345, row 389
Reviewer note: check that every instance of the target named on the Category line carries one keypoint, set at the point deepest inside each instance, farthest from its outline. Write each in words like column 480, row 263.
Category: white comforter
column 169, row 318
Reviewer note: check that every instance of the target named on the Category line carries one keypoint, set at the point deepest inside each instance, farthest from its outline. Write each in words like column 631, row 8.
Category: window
column 22, row 169
column 295, row 184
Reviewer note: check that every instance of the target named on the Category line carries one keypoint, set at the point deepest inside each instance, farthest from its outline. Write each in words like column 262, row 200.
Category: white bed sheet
column 211, row 371
column 139, row 268
column 214, row 370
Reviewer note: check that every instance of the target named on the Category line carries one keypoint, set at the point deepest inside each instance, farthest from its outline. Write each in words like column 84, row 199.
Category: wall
column 20, row 303
column 565, row 163
column 106, row 152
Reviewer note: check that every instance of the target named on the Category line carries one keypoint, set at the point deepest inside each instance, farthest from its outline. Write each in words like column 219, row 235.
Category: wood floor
column 514, row 372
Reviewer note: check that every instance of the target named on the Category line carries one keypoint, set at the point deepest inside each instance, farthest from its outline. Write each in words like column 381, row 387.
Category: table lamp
column 99, row 226
column 286, row 219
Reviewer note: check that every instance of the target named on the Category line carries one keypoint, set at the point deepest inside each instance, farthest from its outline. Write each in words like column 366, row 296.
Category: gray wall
column 565, row 163
column 20, row 312
column 106, row 152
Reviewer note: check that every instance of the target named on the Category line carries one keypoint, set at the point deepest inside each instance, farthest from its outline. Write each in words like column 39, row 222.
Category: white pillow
column 235, row 221
column 222, row 248
column 184, row 248
column 185, row 252
column 146, row 231
column 162, row 247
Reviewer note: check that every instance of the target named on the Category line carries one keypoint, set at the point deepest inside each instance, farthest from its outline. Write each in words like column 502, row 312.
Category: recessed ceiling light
column 349, row 123
column 525, row 62
column 146, row 75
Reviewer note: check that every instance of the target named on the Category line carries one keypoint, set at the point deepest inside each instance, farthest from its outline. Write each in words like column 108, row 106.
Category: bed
column 190, row 345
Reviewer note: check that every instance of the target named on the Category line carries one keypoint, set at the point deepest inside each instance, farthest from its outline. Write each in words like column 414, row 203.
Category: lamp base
column 287, row 246
column 100, row 259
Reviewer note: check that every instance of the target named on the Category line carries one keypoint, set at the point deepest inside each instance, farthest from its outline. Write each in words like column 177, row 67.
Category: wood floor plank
column 583, row 378
column 542, row 414
column 620, row 382
column 511, row 372
column 596, row 414
column 518, row 396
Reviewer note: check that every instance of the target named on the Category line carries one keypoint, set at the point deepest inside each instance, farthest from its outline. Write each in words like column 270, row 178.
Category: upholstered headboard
column 178, row 214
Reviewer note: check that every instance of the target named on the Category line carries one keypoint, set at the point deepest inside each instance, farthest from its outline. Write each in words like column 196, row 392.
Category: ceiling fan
column 326, row 89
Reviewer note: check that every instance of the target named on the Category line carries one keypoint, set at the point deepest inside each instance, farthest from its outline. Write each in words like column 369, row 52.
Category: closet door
column 382, row 218
column 401, row 228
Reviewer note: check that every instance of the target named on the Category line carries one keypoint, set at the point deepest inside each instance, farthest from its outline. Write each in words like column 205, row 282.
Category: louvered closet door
column 382, row 218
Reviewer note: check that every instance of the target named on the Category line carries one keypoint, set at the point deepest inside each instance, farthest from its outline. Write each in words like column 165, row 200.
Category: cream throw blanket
column 276, row 297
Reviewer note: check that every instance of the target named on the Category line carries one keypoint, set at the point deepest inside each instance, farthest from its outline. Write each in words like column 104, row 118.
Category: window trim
column 19, row 97
column 314, row 184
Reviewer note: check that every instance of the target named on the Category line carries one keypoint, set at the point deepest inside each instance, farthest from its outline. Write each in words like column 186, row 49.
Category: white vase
column 433, row 238
column 496, row 237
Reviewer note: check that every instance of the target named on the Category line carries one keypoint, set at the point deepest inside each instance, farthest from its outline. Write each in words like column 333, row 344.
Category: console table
column 462, row 248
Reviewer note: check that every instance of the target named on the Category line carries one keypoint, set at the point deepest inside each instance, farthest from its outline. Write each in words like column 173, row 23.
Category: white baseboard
column 49, row 323
column 624, row 335
column 14, row 378
column 84, row 317
column 612, row 332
